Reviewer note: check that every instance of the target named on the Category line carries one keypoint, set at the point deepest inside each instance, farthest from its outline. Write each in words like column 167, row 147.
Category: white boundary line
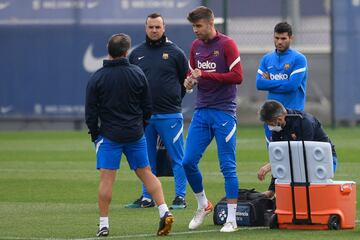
column 129, row 236
column 137, row 235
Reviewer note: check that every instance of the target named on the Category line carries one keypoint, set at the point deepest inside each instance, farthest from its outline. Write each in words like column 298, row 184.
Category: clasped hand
column 191, row 80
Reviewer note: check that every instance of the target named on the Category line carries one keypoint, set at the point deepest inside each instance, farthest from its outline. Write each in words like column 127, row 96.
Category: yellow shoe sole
column 166, row 229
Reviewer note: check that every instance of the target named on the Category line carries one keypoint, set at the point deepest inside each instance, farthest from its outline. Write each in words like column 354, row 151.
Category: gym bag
column 163, row 160
column 253, row 209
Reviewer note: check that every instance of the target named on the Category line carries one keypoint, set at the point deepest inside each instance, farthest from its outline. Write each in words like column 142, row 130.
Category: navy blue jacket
column 165, row 66
column 311, row 129
column 118, row 95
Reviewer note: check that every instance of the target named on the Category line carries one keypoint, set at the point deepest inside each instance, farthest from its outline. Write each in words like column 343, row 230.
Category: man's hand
column 263, row 171
column 196, row 73
column 189, row 83
column 266, row 75
column 94, row 135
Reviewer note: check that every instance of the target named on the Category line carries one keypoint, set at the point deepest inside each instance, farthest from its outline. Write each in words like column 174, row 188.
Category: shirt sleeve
column 232, row 58
column 263, row 83
column 182, row 69
column 146, row 104
column 92, row 109
column 283, row 86
column 191, row 62
column 296, row 77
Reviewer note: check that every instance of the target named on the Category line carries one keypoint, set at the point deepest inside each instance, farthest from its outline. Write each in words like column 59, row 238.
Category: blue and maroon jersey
column 219, row 62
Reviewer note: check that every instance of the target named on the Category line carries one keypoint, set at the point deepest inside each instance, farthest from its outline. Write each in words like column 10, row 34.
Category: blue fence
column 346, row 60
column 49, row 48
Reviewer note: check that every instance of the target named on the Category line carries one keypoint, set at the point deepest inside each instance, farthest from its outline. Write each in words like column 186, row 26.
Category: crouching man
column 307, row 128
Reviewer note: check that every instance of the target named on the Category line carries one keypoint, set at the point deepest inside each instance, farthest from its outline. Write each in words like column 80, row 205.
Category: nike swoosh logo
column 139, row 58
column 6, row 109
column 172, row 126
column 224, row 124
column 90, row 62
column 197, row 53
column 270, row 67
column 4, row 5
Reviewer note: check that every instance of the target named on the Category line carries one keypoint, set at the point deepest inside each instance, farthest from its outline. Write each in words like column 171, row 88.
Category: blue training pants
column 205, row 125
column 170, row 131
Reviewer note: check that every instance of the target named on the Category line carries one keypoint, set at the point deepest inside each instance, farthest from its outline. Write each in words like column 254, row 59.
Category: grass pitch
column 48, row 189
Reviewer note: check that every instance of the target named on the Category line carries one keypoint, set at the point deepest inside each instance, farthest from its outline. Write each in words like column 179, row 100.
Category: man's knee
column 143, row 171
column 188, row 165
column 229, row 172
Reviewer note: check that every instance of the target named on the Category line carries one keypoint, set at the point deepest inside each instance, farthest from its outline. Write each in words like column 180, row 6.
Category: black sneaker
column 165, row 224
column 103, row 232
column 147, row 204
column 139, row 203
column 178, row 203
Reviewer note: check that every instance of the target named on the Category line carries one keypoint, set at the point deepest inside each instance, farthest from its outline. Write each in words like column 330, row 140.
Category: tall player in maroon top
column 216, row 70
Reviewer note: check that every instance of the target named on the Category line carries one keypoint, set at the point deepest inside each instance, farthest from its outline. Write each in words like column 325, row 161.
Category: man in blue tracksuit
column 118, row 102
column 165, row 67
column 283, row 73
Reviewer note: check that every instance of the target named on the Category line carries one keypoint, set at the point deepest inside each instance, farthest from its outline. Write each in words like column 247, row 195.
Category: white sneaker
column 229, row 227
column 200, row 215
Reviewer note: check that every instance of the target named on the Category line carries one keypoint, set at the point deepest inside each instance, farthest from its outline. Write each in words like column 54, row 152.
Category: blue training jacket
column 165, row 66
column 288, row 75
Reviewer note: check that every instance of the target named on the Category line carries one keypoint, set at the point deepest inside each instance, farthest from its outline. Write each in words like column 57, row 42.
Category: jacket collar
column 115, row 62
column 157, row 43
column 283, row 53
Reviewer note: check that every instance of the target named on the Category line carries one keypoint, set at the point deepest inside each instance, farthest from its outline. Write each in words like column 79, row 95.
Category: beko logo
column 206, row 65
column 279, row 76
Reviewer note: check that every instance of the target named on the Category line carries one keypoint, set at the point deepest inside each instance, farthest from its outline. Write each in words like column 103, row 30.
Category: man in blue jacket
column 283, row 74
column 165, row 67
column 118, row 95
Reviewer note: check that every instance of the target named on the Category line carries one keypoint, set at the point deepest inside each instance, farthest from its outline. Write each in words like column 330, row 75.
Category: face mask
column 275, row 128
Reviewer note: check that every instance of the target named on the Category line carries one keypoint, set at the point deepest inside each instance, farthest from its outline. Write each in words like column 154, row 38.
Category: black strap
column 307, row 184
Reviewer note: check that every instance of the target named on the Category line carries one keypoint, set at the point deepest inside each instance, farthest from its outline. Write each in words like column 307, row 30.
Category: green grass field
column 48, row 189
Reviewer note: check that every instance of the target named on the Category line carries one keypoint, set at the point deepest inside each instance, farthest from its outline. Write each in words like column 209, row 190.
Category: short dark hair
column 270, row 110
column 199, row 13
column 283, row 27
column 118, row 44
column 154, row 15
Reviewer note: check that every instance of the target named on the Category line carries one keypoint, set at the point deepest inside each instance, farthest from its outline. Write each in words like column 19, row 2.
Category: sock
column 231, row 213
column 201, row 199
column 163, row 208
column 104, row 222
column 147, row 199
